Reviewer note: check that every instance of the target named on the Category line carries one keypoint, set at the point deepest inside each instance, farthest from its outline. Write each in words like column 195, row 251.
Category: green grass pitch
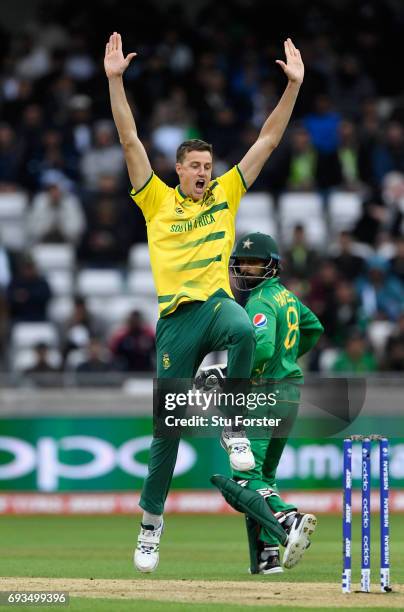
column 199, row 547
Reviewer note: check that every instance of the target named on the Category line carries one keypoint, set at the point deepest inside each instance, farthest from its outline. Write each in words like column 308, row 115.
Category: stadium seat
column 60, row 309
column 60, row 281
column 363, row 250
column 305, row 209
column 141, row 283
column 358, row 248
column 115, row 310
column 256, row 205
column 26, row 335
column 99, row 283
column 74, row 358
column 256, row 213
column 299, row 207
column 327, row 359
column 246, row 225
column 386, row 250
column 25, row 358
column 315, row 229
column 344, row 210
column 12, row 220
column 139, row 257
column 13, row 205
column 13, row 234
column 378, row 333
column 119, row 308
column 54, row 256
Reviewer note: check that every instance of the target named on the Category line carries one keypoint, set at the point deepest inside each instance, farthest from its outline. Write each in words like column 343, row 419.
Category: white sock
column 152, row 519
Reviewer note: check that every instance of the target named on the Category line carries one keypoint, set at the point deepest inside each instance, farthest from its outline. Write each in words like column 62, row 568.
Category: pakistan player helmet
column 259, row 248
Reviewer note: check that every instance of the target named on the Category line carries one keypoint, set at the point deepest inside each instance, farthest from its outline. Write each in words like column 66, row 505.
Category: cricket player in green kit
column 285, row 329
column 191, row 231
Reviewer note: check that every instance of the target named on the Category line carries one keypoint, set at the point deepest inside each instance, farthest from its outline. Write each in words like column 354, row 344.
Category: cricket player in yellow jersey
column 191, row 231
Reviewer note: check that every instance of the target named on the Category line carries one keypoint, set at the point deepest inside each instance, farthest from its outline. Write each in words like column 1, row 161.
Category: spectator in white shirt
column 56, row 215
column 105, row 157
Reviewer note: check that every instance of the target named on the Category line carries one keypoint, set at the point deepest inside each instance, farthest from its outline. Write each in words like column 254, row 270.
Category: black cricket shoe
column 270, row 561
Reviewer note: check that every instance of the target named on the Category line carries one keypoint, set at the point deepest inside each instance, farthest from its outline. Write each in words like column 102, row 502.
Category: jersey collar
column 269, row 282
column 181, row 197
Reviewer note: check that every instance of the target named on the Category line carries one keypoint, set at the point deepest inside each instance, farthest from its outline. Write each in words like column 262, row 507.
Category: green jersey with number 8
column 284, row 327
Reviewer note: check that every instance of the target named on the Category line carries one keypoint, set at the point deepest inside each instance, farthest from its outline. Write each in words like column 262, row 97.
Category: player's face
column 195, row 173
column 251, row 267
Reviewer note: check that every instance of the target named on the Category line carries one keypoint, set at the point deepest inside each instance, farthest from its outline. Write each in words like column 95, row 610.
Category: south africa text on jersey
column 187, row 226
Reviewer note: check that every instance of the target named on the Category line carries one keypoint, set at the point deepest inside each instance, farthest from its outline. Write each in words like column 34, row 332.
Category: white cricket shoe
column 146, row 557
column 238, row 448
column 300, row 531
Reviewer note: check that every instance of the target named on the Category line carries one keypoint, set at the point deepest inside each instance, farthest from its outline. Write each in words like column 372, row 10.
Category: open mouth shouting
column 200, row 187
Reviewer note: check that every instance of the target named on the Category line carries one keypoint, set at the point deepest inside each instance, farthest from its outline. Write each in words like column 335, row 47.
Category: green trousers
column 184, row 338
column 268, row 450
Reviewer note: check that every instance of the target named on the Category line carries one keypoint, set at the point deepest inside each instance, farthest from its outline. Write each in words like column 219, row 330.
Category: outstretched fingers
column 293, row 67
column 291, row 52
column 115, row 42
column 289, row 48
column 114, row 45
column 294, row 50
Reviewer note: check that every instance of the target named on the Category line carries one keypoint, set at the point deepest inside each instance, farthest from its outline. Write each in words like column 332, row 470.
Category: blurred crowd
column 209, row 73
column 358, row 293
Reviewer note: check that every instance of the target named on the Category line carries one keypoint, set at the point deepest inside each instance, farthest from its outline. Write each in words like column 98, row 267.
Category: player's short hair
column 195, row 144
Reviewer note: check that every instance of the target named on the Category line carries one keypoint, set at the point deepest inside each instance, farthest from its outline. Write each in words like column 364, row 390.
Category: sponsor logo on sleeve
column 259, row 320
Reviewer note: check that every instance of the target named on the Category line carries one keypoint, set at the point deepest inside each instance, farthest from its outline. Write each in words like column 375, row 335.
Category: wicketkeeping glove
column 211, row 377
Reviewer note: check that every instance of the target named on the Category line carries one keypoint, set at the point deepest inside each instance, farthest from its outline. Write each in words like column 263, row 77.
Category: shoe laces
column 147, row 549
column 240, row 448
column 148, row 540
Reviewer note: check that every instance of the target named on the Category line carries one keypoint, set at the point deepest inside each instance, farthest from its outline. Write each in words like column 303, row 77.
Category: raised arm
column 274, row 127
column 115, row 64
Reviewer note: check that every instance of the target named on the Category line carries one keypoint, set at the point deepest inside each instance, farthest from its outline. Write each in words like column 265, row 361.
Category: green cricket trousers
column 268, row 450
column 184, row 338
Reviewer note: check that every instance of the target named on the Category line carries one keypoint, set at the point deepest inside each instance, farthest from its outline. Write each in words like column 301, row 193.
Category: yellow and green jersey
column 284, row 327
column 190, row 242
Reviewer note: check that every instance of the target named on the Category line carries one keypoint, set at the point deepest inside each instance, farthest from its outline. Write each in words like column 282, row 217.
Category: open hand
column 115, row 63
column 294, row 67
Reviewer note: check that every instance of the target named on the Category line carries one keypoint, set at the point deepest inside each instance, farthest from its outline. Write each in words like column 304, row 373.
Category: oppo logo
column 43, row 458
